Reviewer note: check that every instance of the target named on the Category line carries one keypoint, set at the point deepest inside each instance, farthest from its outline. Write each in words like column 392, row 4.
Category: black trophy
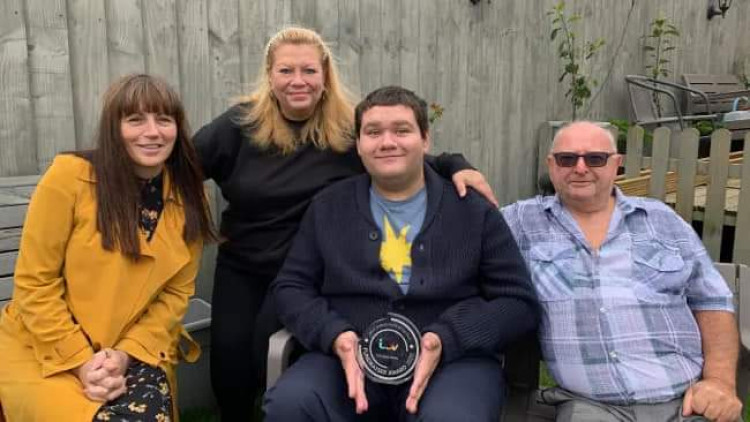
column 389, row 349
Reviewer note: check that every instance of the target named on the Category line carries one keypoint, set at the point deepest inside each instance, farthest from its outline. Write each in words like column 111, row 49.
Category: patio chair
column 642, row 89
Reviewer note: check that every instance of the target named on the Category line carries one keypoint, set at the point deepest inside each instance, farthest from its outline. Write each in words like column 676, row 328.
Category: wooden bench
column 193, row 379
column 721, row 91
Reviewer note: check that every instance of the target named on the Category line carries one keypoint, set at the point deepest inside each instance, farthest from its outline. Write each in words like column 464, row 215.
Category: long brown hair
column 330, row 125
column 118, row 188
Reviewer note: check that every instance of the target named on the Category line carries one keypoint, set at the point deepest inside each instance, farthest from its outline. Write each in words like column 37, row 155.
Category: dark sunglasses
column 592, row 159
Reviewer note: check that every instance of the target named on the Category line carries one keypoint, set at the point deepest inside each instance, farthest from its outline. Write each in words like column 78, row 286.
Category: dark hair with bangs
column 394, row 96
column 117, row 186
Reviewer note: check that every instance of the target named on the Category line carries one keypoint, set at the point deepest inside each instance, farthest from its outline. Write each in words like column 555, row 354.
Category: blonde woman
column 270, row 154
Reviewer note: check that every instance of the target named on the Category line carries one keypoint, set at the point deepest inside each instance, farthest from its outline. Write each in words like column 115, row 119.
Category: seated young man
column 399, row 239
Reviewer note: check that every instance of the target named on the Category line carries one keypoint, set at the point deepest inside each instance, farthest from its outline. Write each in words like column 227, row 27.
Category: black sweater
column 469, row 283
column 268, row 192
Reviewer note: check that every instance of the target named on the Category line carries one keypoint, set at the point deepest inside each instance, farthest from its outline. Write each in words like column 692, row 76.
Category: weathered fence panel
column 491, row 65
column 710, row 190
column 50, row 79
column 16, row 137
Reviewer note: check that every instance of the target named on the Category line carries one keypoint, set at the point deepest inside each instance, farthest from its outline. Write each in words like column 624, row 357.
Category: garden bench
column 193, row 379
column 720, row 90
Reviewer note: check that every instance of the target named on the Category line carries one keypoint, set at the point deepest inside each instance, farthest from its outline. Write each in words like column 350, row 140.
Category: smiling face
column 297, row 79
column 149, row 139
column 581, row 184
column 392, row 148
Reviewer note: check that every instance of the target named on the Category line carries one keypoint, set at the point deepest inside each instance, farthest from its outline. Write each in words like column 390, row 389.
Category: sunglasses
column 592, row 159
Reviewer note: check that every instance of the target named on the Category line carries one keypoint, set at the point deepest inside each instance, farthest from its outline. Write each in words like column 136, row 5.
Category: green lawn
column 199, row 415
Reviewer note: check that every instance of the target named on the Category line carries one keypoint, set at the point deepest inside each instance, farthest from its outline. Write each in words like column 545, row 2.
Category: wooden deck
column 701, row 197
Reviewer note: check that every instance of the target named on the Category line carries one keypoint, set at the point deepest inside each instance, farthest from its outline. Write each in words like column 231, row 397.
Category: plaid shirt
column 618, row 323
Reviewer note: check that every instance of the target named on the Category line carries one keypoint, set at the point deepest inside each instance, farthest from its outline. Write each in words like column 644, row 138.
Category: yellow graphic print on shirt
column 395, row 251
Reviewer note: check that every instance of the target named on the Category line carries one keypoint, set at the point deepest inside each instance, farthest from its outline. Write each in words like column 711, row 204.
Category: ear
column 550, row 162
column 426, row 142
column 357, row 144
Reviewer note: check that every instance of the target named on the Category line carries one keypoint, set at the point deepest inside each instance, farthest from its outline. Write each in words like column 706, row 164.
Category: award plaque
column 389, row 349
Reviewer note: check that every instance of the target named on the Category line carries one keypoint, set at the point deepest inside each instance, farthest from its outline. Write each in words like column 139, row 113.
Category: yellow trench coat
column 72, row 297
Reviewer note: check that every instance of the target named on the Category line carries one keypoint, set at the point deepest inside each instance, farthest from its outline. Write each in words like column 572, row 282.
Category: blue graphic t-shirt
column 399, row 223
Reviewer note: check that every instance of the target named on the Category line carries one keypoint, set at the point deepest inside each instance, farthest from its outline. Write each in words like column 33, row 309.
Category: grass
column 545, row 379
column 199, row 415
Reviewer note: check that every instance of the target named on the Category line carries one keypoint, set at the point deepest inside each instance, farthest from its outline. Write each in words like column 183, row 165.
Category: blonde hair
column 331, row 123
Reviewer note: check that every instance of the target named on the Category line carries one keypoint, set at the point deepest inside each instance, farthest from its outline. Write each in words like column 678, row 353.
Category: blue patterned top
column 617, row 323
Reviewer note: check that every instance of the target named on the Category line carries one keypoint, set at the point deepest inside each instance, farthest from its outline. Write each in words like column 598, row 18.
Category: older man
column 637, row 324
column 399, row 239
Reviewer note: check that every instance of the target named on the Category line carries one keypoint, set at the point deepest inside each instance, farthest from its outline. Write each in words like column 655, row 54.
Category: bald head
column 582, row 187
column 583, row 129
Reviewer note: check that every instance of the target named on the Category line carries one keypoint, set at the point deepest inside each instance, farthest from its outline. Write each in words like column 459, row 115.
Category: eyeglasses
column 592, row 159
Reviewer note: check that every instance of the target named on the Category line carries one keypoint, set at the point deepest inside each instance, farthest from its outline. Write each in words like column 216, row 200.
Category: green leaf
column 554, row 34
column 648, row 48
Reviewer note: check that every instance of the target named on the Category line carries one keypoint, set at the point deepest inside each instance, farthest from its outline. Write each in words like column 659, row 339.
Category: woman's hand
column 474, row 179
column 103, row 376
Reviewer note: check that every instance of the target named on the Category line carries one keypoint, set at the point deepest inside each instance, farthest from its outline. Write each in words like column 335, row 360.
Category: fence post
column 659, row 163
column 634, row 157
column 741, row 253
column 688, row 147
column 716, row 196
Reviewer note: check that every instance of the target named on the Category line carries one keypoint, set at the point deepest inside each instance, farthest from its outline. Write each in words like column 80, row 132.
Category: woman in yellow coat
column 108, row 258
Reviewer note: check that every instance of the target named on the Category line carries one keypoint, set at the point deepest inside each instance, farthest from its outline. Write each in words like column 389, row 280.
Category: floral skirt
column 148, row 397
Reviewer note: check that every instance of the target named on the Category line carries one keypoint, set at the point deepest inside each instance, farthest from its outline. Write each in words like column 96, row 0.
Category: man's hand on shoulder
column 713, row 399
column 432, row 349
column 472, row 178
column 345, row 347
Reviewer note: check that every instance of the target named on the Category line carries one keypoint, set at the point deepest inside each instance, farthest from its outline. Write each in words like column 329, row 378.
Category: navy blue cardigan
column 469, row 283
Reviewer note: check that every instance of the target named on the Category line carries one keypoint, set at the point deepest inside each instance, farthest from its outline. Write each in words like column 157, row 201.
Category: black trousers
column 314, row 389
column 242, row 319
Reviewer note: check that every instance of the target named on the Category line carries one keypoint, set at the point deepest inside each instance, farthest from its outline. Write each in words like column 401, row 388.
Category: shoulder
column 64, row 180
column 232, row 115
column 66, row 169
column 655, row 211
column 650, row 205
column 534, row 204
column 660, row 220
column 340, row 192
column 226, row 122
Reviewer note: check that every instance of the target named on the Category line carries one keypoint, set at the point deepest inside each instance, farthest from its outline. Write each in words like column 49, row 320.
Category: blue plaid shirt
column 618, row 323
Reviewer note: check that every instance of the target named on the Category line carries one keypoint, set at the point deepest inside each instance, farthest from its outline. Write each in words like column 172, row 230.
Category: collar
column 434, row 185
column 626, row 204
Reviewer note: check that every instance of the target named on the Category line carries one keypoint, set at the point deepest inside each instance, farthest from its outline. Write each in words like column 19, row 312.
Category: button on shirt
column 617, row 323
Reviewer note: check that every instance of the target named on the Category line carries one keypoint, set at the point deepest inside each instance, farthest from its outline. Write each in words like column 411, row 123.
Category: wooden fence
column 490, row 64
column 714, row 190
